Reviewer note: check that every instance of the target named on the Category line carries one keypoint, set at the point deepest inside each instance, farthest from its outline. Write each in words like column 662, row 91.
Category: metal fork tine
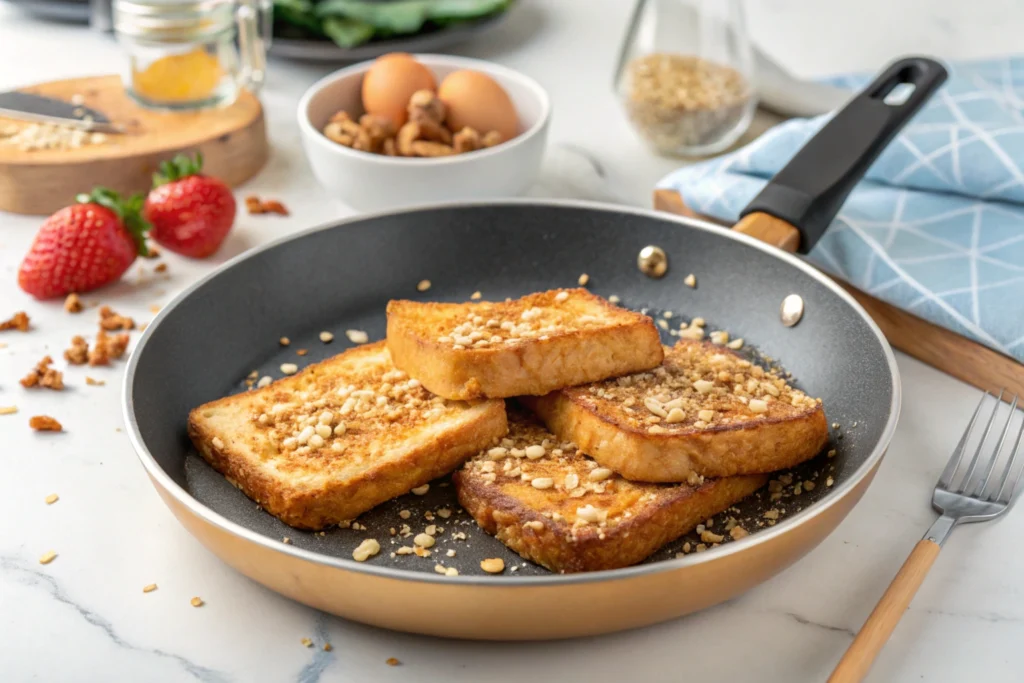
column 978, row 489
column 981, row 444
column 1009, row 467
column 958, row 453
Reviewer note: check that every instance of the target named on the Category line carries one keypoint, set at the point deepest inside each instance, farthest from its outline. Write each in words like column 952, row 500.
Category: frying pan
column 340, row 277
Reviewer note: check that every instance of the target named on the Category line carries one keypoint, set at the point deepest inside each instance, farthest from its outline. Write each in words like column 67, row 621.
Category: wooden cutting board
column 955, row 355
column 233, row 141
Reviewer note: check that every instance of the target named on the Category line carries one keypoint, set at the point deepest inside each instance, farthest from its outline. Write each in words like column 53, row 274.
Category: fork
column 960, row 497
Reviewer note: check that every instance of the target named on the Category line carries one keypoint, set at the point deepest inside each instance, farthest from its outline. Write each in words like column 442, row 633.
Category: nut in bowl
column 411, row 129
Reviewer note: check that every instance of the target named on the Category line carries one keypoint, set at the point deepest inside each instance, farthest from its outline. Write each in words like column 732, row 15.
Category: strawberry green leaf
column 181, row 166
column 129, row 211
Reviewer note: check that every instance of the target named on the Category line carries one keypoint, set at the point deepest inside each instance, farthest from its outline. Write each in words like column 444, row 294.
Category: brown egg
column 390, row 82
column 476, row 100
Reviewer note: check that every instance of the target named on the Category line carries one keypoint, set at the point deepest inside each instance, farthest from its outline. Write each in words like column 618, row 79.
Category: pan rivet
column 792, row 310
column 652, row 261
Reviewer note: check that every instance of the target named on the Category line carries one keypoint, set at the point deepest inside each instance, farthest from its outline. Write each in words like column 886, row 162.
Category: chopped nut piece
column 52, row 498
column 582, row 280
column 107, row 348
column 493, row 138
column 8, row 410
column 771, row 514
column 306, row 642
column 542, row 483
column 391, row 661
column 48, row 557
column 366, row 550
column 19, row 321
column 423, row 285
column 275, row 207
column 284, row 341
column 357, row 336
column 424, row 540
column 711, row 537
column 493, row 565
column 735, row 344
column 197, row 602
column 289, row 368
column 467, row 140
column 421, row 490
column 328, row 647
column 42, row 375
column 829, row 481
column 73, row 304
column 78, row 353
column 326, row 337
column 149, row 588
column 690, row 281
column 738, row 532
column 112, row 321
column 301, row 352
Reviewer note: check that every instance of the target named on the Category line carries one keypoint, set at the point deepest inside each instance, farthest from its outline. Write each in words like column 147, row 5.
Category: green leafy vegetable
column 464, row 9
column 404, row 16
column 298, row 13
column 350, row 23
column 347, row 32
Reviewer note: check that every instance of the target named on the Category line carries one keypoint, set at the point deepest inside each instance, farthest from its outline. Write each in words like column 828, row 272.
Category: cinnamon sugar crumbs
column 19, row 321
column 43, row 376
column 45, row 423
column 73, row 304
column 108, row 348
column 78, row 353
column 112, row 321
column 256, row 206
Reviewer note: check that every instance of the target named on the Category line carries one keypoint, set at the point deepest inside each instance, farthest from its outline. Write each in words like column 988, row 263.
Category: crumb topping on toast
column 328, row 415
column 566, row 485
column 699, row 385
column 536, row 316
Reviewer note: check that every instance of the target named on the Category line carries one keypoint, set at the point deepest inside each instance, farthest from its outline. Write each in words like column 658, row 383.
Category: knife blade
column 29, row 107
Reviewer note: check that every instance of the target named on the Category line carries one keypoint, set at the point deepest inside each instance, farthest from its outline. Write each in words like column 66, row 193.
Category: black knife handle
column 809, row 190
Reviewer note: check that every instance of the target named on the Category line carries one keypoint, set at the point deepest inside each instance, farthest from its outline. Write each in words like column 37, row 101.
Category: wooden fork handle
column 876, row 630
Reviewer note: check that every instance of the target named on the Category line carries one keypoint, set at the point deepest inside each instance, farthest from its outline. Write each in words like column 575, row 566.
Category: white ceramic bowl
column 367, row 181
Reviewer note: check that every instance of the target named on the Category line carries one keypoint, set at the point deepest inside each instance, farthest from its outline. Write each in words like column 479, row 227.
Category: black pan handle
column 809, row 190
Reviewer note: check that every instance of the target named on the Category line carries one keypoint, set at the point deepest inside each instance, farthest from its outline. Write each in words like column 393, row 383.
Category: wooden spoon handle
column 770, row 229
column 876, row 630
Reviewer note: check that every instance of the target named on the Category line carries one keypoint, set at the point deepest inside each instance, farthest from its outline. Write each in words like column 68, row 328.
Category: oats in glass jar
column 682, row 102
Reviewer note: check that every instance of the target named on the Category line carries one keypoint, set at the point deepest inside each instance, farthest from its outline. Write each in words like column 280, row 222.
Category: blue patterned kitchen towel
column 937, row 227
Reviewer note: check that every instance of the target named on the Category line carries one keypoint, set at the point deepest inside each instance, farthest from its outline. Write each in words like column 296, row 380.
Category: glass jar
column 685, row 75
column 192, row 54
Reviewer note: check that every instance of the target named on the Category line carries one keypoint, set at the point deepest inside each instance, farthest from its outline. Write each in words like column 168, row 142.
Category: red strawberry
column 84, row 246
column 191, row 213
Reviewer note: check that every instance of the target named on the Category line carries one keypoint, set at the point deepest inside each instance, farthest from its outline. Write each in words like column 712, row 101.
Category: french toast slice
column 555, row 506
column 705, row 410
column 528, row 346
column 340, row 437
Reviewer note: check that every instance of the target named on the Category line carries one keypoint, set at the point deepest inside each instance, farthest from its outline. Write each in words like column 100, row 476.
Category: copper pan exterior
column 533, row 609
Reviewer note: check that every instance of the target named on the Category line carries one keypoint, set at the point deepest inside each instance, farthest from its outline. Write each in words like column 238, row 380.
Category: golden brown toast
column 565, row 512
column 705, row 410
column 340, row 437
column 529, row 346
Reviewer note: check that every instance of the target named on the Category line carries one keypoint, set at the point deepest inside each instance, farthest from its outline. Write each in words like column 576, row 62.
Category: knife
column 28, row 107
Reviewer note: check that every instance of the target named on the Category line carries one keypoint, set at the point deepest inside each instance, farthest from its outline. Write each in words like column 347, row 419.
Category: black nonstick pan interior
column 341, row 277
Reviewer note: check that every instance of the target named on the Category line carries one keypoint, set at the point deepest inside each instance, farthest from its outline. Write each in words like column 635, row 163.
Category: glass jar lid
column 172, row 21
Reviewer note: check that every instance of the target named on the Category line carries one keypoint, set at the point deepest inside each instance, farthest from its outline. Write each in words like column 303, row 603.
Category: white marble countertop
column 84, row 617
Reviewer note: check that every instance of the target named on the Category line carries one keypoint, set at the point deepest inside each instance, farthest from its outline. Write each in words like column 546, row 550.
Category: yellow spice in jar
column 179, row 78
